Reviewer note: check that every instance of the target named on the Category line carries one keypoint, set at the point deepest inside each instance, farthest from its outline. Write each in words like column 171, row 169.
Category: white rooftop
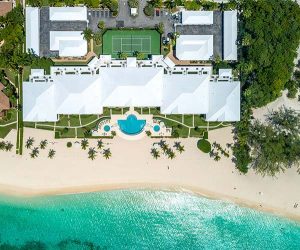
column 225, row 73
column 230, row 35
column 33, row 29
column 130, row 86
column 224, row 101
column 68, row 43
column 185, row 94
column 197, row 17
column 68, row 14
column 194, row 47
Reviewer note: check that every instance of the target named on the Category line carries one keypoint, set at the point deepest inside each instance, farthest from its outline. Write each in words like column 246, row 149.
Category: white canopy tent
column 230, row 35
column 197, row 17
column 68, row 14
column 194, row 47
column 33, row 29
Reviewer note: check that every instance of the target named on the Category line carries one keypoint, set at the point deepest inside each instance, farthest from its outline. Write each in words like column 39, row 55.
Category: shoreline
column 132, row 167
column 19, row 192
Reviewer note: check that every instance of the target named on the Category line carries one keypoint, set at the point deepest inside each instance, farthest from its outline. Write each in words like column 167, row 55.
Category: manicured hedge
column 204, row 145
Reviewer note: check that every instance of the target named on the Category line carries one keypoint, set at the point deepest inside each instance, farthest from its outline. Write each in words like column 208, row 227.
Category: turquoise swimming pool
column 131, row 126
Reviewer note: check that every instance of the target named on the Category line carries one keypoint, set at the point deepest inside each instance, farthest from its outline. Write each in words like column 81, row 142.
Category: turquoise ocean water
column 139, row 219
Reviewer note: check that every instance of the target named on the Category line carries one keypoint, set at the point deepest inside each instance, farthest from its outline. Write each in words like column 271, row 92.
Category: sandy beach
column 132, row 166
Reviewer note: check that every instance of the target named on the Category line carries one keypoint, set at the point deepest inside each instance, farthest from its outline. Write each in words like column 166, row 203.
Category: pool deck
column 150, row 123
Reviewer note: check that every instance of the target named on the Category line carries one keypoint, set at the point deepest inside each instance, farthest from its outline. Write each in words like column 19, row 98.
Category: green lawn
column 182, row 130
column 97, row 48
column 86, row 119
column 131, row 41
column 63, row 121
column 175, row 117
column 5, row 130
column 188, row 120
column 9, row 118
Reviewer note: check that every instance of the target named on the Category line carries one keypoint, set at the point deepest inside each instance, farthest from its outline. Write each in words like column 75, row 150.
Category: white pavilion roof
column 230, row 35
column 197, row 17
column 194, row 47
column 68, row 14
column 33, row 29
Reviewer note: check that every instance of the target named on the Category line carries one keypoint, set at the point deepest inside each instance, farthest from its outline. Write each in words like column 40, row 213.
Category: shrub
column 101, row 25
column 69, row 144
column 175, row 133
column 192, row 5
column 149, row 10
column 204, row 145
column 65, row 130
column 133, row 3
column 114, row 6
column 292, row 87
column 205, row 135
column 160, row 28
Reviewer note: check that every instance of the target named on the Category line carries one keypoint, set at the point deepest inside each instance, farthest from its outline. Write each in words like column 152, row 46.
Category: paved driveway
column 126, row 20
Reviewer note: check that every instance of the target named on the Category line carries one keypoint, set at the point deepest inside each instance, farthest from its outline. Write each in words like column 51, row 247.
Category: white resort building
column 131, row 83
column 107, row 82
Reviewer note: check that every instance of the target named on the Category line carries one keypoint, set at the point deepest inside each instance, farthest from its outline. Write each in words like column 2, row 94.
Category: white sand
column 260, row 113
column 132, row 166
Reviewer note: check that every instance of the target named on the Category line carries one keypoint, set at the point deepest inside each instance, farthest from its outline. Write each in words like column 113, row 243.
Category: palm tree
column 217, row 157
column 2, row 145
column 8, row 146
column 29, row 142
column 179, row 147
column 155, row 153
column 84, row 143
column 87, row 34
column 92, row 153
column 170, row 153
column 165, row 148
column 51, row 153
column 100, row 144
column 161, row 143
column 107, row 153
column 43, row 144
column 34, row 153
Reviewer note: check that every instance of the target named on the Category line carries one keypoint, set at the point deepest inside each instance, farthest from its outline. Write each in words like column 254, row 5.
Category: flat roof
column 33, row 29
column 68, row 14
column 194, row 47
column 230, row 35
column 197, row 17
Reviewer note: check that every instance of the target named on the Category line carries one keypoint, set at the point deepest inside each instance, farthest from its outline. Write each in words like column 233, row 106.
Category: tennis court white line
column 120, row 40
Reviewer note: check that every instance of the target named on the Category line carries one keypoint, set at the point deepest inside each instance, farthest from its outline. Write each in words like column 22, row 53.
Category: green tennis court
column 130, row 42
